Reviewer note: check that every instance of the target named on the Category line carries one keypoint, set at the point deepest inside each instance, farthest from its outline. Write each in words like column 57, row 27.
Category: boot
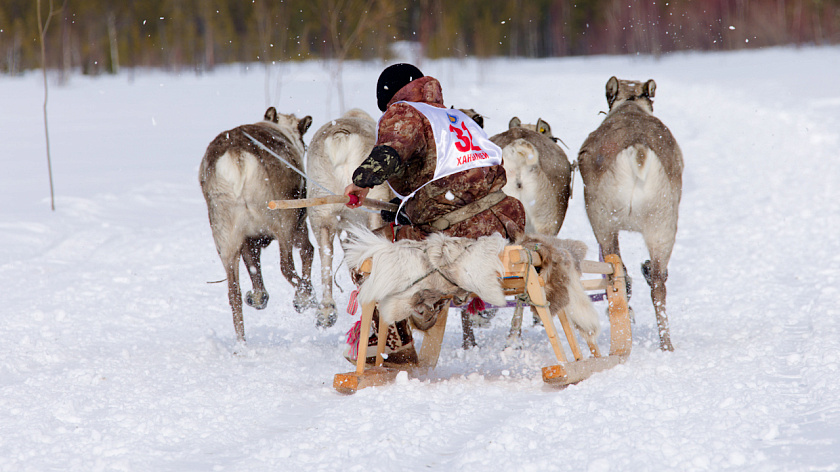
column 399, row 344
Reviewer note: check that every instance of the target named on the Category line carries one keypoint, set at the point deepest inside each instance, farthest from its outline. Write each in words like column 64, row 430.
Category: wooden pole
column 621, row 338
column 570, row 334
column 539, row 302
column 364, row 334
column 432, row 340
column 329, row 200
column 382, row 338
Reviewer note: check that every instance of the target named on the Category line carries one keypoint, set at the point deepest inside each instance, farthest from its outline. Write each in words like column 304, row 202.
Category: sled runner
column 521, row 280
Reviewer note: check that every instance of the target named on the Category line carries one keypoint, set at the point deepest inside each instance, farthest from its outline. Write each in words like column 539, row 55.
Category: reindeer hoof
column 303, row 302
column 326, row 315
column 646, row 272
column 258, row 300
column 513, row 342
column 665, row 344
column 483, row 317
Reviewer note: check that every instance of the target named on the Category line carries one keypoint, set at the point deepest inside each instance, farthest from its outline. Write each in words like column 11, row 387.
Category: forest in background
column 100, row 36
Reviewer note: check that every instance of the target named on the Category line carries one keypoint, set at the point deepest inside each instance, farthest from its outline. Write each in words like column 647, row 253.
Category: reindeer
column 540, row 176
column 238, row 178
column 632, row 174
column 474, row 115
column 334, row 153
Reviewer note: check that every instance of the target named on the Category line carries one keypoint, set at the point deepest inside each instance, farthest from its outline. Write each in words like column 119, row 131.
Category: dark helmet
column 392, row 79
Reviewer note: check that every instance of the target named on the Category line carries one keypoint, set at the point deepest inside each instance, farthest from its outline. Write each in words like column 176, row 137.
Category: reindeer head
column 541, row 127
column 290, row 124
column 620, row 91
column 474, row 115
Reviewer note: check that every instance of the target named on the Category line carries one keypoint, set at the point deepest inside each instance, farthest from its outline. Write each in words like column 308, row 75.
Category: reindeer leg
column 231, row 263
column 258, row 298
column 656, row 273
column 656, row 278
column 514, row 338
column 307, row 255
column 287, row 268
column 469, row 335
column 326, row 308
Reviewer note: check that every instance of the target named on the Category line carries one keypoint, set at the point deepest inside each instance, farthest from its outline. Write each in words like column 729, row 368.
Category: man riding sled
column 446, row 172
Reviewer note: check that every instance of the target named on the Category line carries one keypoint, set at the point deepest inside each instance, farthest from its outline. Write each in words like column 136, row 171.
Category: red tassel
column 353, row 305
column 353, row 339
column 353, row 334
column 476, row 305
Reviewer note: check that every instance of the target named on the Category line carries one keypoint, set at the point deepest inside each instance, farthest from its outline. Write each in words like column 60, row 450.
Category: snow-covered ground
column 116, row 354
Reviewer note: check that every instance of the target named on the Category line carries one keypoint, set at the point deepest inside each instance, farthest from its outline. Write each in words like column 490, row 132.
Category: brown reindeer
column 238, row 179
column 632, row 174
column 474, row 115
column 539, row 174
column 335, row 151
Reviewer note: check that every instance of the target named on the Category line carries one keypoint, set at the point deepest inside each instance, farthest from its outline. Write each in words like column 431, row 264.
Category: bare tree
column 112, row 41
column 42, row 33
column 340, row 16
column 271, row 18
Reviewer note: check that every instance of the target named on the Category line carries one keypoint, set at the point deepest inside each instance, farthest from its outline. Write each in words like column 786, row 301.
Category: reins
column 284, row 161
column 437, row 269
column 290, row 165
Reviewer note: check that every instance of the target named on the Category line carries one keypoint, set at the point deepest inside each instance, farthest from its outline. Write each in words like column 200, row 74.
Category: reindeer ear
column 271, row 115
column 514, row 123
column 649, row 88
column 612, row 90
column 543, row 127
column 479, row 120
column 304, row 124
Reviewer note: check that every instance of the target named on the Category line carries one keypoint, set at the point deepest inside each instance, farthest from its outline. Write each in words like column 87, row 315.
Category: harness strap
column 437, row 269
column 468, row 211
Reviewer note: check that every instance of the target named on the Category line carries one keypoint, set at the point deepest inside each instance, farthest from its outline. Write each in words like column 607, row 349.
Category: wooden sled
column 520, row 278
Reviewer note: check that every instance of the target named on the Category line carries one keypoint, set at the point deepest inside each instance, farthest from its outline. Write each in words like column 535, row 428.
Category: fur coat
column 409, row 133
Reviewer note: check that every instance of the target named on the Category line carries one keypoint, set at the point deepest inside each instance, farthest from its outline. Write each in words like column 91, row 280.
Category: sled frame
column 520, row 278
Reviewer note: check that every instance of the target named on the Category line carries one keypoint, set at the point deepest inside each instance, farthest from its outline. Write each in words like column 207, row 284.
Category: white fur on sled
column 403, row 269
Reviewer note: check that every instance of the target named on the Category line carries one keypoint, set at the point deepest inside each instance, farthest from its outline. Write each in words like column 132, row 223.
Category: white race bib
column 460, row 143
